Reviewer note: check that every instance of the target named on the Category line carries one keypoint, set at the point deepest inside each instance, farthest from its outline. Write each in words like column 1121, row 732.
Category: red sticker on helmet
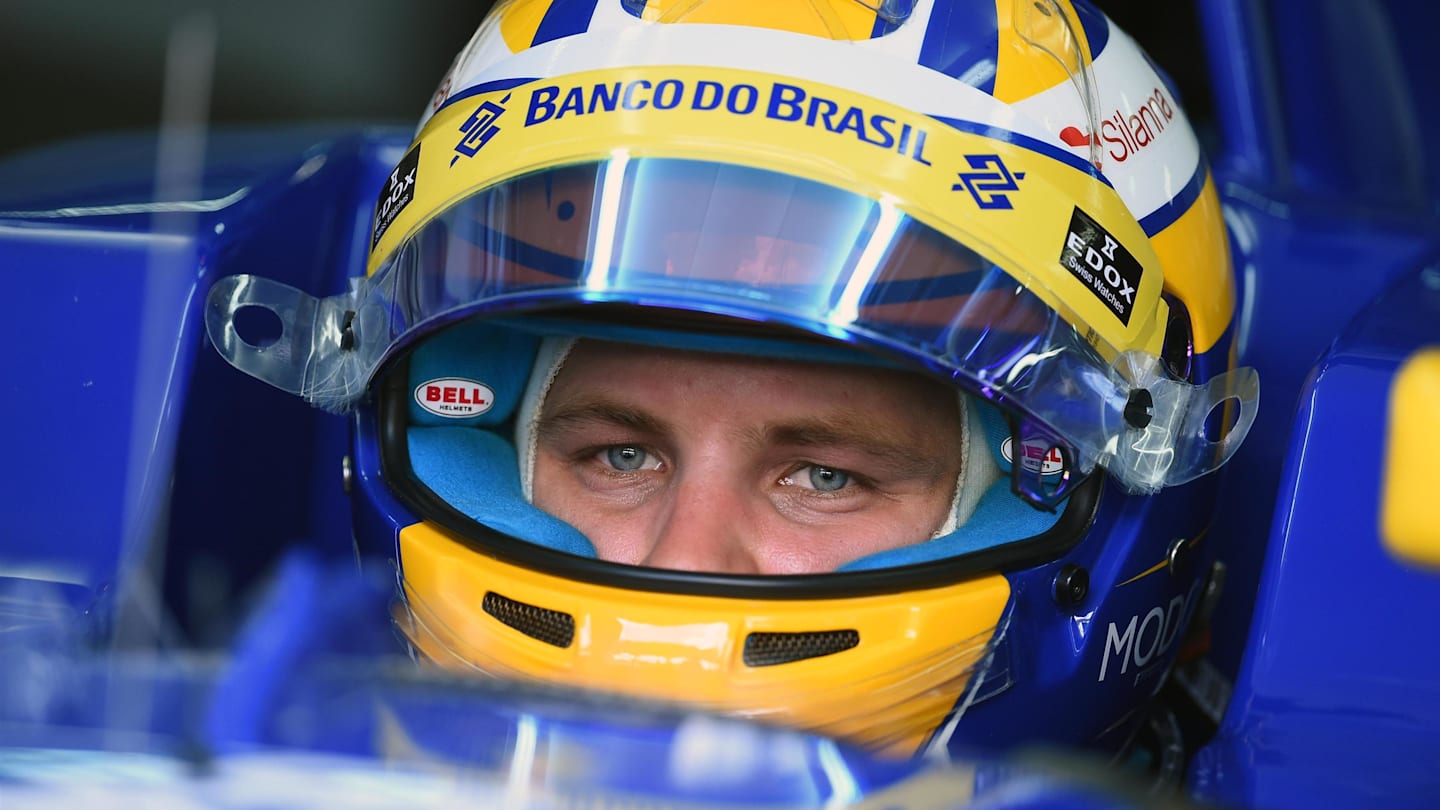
column 1038, row 457
column 454, row 397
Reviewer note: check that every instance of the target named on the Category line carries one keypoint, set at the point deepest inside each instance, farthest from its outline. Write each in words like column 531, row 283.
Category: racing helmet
column 1000, row 197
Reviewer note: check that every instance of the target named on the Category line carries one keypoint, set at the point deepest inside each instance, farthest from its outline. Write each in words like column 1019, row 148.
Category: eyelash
column 856, row 481
column 856, row 484
column 595, row 455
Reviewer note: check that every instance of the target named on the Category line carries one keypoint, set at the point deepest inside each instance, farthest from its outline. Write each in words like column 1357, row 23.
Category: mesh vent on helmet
column 769, row 649
column 549, row 626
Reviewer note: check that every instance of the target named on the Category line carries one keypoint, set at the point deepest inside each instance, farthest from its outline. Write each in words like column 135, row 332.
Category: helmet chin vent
column 549, row 626
column 769, row 649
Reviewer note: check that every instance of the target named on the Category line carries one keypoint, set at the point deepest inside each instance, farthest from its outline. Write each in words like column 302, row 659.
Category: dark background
column 70, row 67
column 87, row 66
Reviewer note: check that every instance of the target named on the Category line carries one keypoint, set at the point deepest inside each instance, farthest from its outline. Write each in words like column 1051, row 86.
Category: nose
column 707, row 527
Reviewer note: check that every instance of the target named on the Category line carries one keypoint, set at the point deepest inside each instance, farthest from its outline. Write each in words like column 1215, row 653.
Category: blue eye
column 826, row 479
column 626, row 457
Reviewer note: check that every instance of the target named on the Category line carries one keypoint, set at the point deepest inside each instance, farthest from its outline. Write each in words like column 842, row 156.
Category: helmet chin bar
column 893, row 683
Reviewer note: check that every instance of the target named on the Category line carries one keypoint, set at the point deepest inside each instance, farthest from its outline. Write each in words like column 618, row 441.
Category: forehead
column 648, row 376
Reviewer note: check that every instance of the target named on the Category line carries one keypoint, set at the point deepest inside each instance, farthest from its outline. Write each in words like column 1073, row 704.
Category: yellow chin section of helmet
column 882, row 671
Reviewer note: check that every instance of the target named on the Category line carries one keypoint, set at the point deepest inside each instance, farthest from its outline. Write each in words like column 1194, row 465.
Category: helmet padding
column 470, row 464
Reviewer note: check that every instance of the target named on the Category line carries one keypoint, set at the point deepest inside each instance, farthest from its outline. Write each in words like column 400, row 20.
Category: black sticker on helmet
column 1098, row 259
column 399, row 190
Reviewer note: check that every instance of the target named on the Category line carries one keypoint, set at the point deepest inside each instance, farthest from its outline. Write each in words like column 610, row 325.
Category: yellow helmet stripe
column 846, row 21
column 519, row 20
column 1195, row 252
column 1010, row 199
column 1018, row 74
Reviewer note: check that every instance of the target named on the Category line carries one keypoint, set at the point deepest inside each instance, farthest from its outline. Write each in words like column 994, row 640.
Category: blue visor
column 706, row 240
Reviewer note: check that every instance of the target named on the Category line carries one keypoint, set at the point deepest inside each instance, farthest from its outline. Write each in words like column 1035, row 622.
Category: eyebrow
column 570, row 417
column 900, row 456
column 894, row 452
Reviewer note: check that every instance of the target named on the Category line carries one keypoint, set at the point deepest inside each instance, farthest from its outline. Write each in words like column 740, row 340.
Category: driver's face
column 728, row 464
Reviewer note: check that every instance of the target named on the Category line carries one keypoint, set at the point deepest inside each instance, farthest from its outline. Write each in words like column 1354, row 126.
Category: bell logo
column 1036, row 457
column 454, row 397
